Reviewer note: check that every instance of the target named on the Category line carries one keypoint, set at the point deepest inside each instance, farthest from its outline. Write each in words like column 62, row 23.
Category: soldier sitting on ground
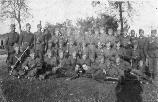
column 100, row 72
column 32, row 65
column 49, row 65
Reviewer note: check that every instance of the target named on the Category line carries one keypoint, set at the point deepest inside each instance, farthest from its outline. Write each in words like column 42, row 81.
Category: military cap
column 140, row 30
column 12, row 26
column 39, row 26
column 28, row 24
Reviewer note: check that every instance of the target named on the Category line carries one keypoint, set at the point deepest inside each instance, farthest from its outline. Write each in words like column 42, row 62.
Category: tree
column 14, row 9
column 118, row 9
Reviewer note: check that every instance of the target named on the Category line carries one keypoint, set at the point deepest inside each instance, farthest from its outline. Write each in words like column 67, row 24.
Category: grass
column 61, row 90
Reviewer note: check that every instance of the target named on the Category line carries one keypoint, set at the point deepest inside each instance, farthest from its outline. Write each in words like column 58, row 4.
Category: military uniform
column 110, row 38
column 151, row 50
column 33, row 66
column 26, row 39
column 39, row 44
column 120, row 52
column 101, row 68
column 46, row 37
column 11, row 62
column 141, row 44
column 86, row 61
column 109, row 53
column 12, row 38
column 121, row 66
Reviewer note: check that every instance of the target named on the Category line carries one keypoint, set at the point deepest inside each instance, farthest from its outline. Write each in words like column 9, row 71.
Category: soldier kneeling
column 14, row 63
column 32, row 65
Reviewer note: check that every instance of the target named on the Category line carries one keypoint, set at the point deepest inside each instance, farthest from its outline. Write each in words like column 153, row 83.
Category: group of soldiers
column 97, row 53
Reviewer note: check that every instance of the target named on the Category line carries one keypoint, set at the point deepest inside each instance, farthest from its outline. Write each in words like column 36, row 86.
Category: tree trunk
column 19, row 23
column 121, row 19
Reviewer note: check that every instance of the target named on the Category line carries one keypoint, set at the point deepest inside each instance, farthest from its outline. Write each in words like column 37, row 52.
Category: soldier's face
column 77, row 67
column 84, row 57
column 110, row 31
column 39, row 28
column 49, row 55
column 141, row 33
column 61, row 55
column 16, row 49
column 56, row 32
column 99, row 45
column 102, row 60
column 118, row 44
column 32, row 55
column 28, row 28
column 74, row 55
column 102, row 30
column 108, row 44
column 135, row 46
column 12, row 29
column 96, row 32
column 132, row 33
column 153, row 34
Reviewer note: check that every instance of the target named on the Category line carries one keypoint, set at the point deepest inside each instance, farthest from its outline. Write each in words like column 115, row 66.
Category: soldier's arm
column 146, row 47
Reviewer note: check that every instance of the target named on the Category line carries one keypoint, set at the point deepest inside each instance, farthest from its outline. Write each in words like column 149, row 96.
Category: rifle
column 111, row 79
column 19, row 59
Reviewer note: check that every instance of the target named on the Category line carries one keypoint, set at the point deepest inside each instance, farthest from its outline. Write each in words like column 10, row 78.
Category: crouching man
column 15, row 62
column 32, row 65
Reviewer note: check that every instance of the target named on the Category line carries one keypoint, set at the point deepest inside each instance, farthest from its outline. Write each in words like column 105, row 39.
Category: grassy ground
column 61, row 90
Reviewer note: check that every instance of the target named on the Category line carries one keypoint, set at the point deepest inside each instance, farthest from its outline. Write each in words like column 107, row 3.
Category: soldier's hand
column 12, row 66
column 26, row 68
column 104, row 71
column 141, row 63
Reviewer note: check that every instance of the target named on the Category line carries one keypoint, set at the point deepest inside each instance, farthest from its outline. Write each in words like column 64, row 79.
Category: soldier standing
column 12, row 38
column 26, row 39
column 141, row 43
column 135, row 57
column 151, row 51
column 110, row 36
column 132, row 36
column 39, row 42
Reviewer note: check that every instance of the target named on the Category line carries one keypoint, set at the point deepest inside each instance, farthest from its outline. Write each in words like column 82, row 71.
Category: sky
column 53, row 11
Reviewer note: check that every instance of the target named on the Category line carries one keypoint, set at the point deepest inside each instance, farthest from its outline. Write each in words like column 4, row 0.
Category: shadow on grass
column 60, row 90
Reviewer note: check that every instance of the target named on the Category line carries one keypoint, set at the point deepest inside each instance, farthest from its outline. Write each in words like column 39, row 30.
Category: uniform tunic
column 26, row 39
column 12, row 38
column 33, row 66
column 151, row 49
column 39, row 44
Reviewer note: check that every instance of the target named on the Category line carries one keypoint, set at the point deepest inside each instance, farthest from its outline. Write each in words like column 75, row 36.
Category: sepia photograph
column 78, row 51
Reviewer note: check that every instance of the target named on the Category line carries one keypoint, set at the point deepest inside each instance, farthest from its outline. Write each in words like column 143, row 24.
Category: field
column 62, row 90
